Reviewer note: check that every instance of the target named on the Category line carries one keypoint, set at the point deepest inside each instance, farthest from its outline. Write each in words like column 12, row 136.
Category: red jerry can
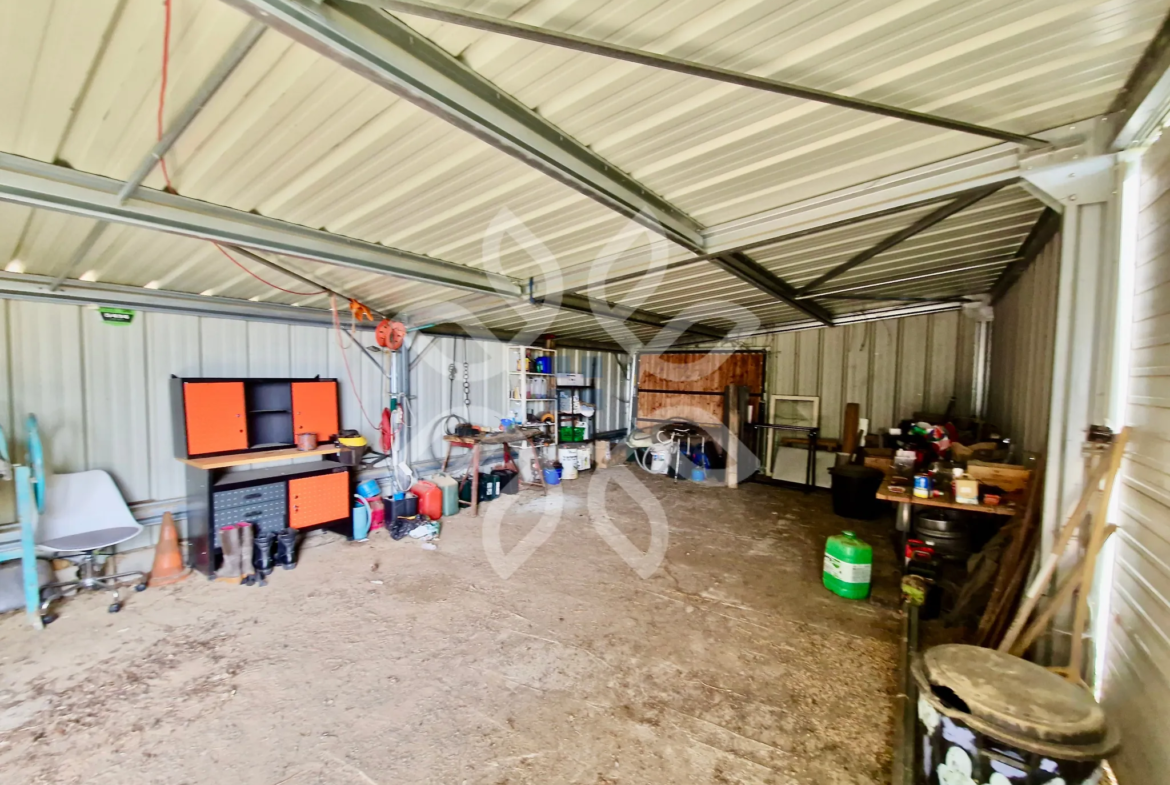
column 430, row 499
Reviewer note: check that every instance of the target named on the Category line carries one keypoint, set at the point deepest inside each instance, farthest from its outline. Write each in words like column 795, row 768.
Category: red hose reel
column 390, row 335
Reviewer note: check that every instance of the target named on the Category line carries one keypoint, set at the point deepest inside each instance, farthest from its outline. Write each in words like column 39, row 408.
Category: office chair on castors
column 85, row 513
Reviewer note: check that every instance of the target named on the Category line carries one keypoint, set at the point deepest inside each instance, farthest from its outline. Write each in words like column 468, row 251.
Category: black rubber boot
column 262, row 554
column 286, row 548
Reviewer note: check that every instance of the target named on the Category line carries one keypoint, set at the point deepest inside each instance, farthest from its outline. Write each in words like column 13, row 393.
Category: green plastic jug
column 848, row 566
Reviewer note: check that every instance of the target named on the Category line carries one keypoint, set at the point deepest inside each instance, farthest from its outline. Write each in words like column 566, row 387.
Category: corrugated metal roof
column 722, row 151
column 296, row 136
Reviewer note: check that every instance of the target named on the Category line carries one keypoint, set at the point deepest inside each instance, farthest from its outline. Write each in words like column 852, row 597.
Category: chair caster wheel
column 114, row 607
column 48, row 618
column 140, row 587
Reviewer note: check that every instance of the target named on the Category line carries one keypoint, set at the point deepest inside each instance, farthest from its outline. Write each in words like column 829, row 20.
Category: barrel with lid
column 988, row 718
column 848, row 566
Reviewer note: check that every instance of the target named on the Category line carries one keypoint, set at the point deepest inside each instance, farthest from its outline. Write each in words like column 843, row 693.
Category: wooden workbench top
column 947, row 502
column 496, row 437
column 247, row 458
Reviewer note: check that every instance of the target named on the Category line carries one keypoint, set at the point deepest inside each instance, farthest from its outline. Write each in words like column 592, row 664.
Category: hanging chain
column 466, row 384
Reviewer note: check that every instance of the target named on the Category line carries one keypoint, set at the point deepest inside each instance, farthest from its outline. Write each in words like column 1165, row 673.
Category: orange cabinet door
column 315, row 409
column 215, row 417
column 318, row 499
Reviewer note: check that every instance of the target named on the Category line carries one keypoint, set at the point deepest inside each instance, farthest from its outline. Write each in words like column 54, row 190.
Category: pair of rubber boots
column 237, row 543
column 286, row 552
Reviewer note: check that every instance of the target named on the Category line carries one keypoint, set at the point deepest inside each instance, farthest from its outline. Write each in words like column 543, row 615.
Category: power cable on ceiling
column 261, row 280
column 162, row 102
column 162, row 89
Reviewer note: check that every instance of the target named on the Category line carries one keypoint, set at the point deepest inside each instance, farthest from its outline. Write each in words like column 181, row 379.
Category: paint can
column 306, row 441
column 922, row 486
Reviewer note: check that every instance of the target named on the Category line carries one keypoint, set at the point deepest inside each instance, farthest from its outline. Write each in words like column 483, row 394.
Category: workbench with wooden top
column 475, row 442
column 1014, row 478
column 229, row 433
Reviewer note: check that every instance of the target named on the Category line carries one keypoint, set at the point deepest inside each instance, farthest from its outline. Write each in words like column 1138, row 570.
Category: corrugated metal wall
column 1019, row 386
column 1137, row 661
column 893, row 368
column 101, row 395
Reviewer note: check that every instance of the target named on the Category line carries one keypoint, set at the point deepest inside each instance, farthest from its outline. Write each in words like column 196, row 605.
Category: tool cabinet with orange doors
column 226, row 429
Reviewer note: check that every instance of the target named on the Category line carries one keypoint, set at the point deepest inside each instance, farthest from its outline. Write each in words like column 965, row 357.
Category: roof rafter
column 38, row 184
column 624, row 313
column 391, row 54
column 566, row 40
column 1045, row 228
column 897, row 238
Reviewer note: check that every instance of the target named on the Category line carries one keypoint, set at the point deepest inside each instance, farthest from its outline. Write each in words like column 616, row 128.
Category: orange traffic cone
column 168, row 560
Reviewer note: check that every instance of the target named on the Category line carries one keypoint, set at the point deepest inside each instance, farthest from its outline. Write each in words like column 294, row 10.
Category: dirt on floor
column 381, row 662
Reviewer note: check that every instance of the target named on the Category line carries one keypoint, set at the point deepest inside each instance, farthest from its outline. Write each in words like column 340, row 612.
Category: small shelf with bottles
column 532, row 387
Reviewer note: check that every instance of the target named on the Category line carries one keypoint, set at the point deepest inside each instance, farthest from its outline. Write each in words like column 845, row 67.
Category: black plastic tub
column 855, row 491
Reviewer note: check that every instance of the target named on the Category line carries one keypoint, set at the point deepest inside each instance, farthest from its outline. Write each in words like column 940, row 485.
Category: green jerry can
column 848, row 565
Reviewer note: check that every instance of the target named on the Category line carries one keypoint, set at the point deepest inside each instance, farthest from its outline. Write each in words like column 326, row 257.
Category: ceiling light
column 15, row 266
column 207, row 292
column 152, row 285
column 89, row 275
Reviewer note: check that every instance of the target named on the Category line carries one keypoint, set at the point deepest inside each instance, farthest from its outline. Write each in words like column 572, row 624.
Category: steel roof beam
column 23, row 286
column 504, row 336
column 910, row 278
column 389, row 53
column 927, row 221
column 223, row 69
column 624, row 313
column 38, row 184
column 508, row 27
column 1045, row 228
column 747, row 269
column 1142, row 102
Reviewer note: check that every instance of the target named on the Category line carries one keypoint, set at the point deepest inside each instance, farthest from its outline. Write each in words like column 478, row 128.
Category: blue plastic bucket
column 369, row 489
column 552, row 477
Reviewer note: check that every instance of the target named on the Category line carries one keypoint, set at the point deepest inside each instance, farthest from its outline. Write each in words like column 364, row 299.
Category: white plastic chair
column 85, row 513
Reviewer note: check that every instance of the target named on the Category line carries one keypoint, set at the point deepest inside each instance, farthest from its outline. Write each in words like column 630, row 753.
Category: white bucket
column 568, row 471
column 660, row 457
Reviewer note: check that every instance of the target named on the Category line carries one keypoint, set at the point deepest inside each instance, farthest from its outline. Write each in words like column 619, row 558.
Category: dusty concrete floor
column 385, row 663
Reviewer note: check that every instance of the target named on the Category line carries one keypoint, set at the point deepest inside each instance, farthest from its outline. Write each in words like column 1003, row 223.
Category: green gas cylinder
column 848, row 564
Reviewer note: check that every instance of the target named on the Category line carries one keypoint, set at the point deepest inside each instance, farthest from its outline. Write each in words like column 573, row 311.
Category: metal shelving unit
column 532, row 393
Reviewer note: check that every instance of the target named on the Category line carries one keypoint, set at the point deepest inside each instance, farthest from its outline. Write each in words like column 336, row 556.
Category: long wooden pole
column 1096, row 540
column 1040, row 582
column 1071, row 582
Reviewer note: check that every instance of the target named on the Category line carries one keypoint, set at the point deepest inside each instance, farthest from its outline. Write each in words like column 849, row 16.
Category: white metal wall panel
column 7, row 499
column 172, row 349
column 1136, row 678
column 48, row 379
column 102, row 392
column 1020, row 380
column 892, row 368
column 116, row 411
